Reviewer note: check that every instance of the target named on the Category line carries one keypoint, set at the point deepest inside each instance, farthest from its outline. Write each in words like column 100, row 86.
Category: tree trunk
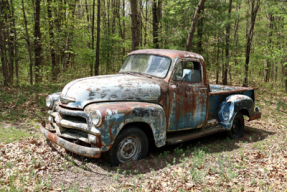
column 93, row 38
column 146, row 20
column 255, row 4
column 134, row 26
column 237, row 23
column 238, row 4
column 140, row 20
column 200, row 34
column 69, row 38
column 98, row 39
column 193, row 25
column 267, row 62
column 155, row 23
column 3, row 6
column 28, row 44
column 124, row 30
column 55, row 67
column 217, row 60
column 156, row 12
column 159, row 21
column 37, row 44
column 15, row 44
column 226, row 63
column 87, row 10
column 108, row 35
column 10, row 39
column 114, row 12
column 57, row 25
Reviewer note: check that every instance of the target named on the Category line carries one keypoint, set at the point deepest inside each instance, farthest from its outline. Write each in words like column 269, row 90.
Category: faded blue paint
column 231, row 106
column 214, row 88
column 105, row 88
column 187, row 107
column 118, row 114
column 216, row 100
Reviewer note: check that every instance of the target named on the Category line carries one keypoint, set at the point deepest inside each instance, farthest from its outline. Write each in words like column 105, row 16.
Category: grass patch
column 11, row 134
column 19, row 103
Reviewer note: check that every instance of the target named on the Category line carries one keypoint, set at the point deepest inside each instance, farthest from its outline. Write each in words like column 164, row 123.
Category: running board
column 182, row 136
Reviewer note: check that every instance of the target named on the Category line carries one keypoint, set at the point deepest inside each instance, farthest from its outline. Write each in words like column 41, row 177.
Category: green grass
column 18, row 103
column 9, row 135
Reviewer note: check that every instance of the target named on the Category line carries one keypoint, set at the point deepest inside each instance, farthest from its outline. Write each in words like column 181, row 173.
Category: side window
column 190, row 70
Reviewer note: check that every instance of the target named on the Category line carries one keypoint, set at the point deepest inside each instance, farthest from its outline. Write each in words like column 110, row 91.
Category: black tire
column 237, row 128
column 130, row 144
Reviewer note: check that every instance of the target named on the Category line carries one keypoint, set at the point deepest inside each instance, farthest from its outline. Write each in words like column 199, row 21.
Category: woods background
column 45, row 41
column 44, row 44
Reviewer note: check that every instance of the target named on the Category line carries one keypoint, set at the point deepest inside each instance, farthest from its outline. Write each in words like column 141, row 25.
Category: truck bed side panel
column 216, row 99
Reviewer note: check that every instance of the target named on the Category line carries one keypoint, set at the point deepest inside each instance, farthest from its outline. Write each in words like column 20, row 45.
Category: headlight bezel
column 96, row 118
column 49, row 101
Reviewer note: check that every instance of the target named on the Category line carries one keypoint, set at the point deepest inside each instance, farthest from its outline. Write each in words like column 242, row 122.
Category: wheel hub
column 129, row 149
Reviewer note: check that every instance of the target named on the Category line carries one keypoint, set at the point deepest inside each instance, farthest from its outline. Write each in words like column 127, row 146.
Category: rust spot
column 256, row 115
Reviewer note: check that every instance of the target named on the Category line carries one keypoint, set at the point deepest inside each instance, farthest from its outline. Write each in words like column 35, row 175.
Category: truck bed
column 225, row 89
column 217, row 93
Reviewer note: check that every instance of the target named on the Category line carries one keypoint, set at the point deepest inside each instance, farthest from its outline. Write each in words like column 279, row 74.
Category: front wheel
column 131, row 144
column 237, row 128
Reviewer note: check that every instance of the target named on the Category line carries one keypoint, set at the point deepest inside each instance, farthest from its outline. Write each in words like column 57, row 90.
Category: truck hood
column 120, row 87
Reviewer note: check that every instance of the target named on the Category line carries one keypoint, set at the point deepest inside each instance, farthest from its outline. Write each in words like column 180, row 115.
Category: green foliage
column 11, row 134
column 72, row 37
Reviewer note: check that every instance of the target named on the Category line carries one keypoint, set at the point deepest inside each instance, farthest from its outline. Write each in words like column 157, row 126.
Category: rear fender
column 231, row 106
column 116, row 115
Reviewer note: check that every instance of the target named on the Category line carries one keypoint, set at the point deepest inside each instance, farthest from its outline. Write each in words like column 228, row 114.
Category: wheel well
column 145, row 128
column 244, row 112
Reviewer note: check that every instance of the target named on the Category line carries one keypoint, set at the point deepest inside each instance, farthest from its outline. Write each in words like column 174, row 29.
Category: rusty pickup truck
column 159, row 97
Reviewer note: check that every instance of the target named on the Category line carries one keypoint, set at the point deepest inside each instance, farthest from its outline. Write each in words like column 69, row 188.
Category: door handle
column 202, row 88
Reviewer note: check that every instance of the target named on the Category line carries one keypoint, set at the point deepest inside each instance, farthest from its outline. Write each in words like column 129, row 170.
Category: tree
column 28, row 43
column 55, row 67
column 193, row 24
column 3, row 8
column 268, row 51
column 228, row 29
column 37, row 43
column 134, row 24
column 98, row 39
column 15, row 43
column 93, row 37
column 255, row 4
column 156, row 18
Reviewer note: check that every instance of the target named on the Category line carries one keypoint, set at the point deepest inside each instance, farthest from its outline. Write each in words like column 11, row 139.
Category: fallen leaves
column 257, row 162
column 26, row 159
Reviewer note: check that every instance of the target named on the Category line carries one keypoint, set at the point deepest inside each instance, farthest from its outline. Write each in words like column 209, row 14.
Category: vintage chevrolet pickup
column 159, row 97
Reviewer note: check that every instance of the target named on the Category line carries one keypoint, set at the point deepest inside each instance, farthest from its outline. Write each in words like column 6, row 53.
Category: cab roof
column 168, row 53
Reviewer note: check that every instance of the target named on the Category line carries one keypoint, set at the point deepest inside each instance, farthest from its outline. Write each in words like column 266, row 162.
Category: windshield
column 148, row 64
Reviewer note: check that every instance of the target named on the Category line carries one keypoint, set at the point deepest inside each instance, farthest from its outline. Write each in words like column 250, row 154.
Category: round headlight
column 49, row 101
column 96, row 118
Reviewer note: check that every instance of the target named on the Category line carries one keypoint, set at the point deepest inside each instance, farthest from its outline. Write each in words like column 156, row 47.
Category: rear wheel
column 131, row 144
column 237, row 128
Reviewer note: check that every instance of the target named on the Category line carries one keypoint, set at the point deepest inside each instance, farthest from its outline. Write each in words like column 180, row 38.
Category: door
column 188, row 95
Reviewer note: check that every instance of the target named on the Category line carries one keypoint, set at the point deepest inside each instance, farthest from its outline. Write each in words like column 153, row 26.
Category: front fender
column 115, row 115
column 231, row 106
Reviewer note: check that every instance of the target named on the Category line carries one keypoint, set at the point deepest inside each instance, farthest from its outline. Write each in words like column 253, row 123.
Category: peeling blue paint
column 117, row 115
column 231, row 106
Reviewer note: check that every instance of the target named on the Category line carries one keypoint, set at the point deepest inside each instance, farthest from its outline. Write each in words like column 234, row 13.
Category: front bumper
column 93, row 152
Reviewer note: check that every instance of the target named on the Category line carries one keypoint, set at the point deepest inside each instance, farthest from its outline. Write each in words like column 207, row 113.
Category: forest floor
column 255, row 162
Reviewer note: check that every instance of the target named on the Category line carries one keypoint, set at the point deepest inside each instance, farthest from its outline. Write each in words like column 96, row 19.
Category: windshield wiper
column 133, row 72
